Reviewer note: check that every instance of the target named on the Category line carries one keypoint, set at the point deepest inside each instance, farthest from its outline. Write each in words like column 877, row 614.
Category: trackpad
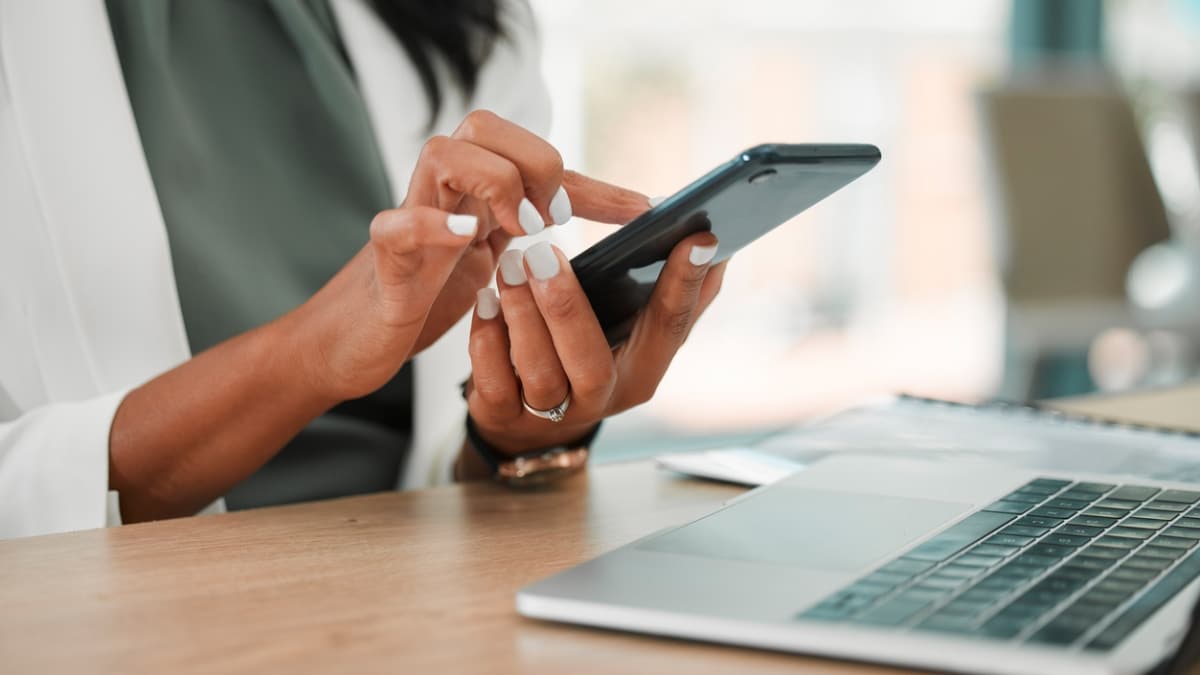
column 817, row 529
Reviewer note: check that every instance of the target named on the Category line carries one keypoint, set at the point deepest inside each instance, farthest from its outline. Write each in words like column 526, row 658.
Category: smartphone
column 739, row 201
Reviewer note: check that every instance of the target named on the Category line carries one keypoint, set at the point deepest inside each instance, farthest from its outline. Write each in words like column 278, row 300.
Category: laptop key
column 1145, row 606
column 1105, row 513
column 1183, row 532
column 1070, row 504
column 994, row 549
column 1063, row 538
column 1181, row 496
column 1092, row 521
column 1023, row 497
column 1142, row 523
column 1122, row 504
column 893, row 612
column 1051, row 550
column 1079, row 531
column 959, row 536
column 1039, row 521
column 943, row 623
column 1097, row 488
column 1051, row 512
column 1134, row 493
column 959, row 571
column 1173, row 542
column 1164, row 552
column 1116, row 542
column 1155, row 514
column 1148, row 563
column 1104, row 552
column 906, row 566
column 1008, row 507
column 978, row 560
column 1024, row 530
column 1188, row 521
column 1130, row 532
column 1062, row 631
column 1054, row 483
column 1166, row 505
column 1009, row 540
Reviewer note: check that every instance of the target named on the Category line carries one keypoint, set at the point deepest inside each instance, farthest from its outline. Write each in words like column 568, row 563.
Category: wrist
column 531, row 467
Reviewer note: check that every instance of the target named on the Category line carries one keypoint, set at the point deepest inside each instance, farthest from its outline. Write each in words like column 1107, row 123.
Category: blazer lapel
column 98, row 202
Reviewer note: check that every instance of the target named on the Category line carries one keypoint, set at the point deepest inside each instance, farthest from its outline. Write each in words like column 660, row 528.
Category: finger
column 578, row 339
column 450, row 169
column 711, row 286
column 667, row 319
column 494, row 389
column 540, row 164
column 603, row 202
column 415, row 250
column 542, row 379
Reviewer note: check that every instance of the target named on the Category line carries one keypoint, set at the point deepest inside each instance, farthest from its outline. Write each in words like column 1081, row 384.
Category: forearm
column 184, row 438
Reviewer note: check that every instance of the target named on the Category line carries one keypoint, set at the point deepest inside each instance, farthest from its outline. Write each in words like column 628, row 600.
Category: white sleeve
column 54, row 468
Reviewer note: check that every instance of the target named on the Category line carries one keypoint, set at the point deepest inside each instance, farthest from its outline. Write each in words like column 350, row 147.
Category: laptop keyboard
column 1054, row 563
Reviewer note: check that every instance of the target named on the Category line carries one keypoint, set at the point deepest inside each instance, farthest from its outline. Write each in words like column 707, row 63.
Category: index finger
column 603, row 202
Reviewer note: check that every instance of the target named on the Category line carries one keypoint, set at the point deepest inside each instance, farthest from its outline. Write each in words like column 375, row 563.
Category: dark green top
column 268, row 175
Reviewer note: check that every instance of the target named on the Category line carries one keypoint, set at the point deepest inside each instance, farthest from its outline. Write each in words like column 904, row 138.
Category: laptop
column 953, row 566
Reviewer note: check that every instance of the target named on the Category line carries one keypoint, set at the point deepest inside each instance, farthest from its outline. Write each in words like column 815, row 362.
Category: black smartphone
column 739, row 201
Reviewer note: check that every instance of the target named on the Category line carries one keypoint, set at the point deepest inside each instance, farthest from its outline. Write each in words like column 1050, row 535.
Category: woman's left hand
column 542, row 340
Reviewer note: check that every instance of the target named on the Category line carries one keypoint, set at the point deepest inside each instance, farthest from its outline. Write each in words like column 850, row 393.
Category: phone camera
column 762, row 176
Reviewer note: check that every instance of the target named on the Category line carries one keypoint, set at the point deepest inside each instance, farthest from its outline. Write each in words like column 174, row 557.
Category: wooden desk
column 417, row 582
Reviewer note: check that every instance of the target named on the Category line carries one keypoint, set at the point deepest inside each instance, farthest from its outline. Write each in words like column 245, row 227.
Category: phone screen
column 739, row 201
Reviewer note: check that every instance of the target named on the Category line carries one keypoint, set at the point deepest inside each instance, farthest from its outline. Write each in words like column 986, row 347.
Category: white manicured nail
column 487, row 303
column 542, row 259
column 701, row 255
column 511, row 269
column 655, row 201
column 530, row 219
column 462, row 224
column 560, row 207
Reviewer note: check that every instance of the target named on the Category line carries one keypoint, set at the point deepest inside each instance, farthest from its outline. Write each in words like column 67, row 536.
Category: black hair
column 460, row 32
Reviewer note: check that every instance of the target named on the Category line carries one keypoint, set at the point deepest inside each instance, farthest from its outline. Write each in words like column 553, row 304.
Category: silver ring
column 555, row 414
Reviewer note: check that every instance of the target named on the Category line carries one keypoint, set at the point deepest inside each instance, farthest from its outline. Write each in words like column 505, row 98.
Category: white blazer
column 88, row 306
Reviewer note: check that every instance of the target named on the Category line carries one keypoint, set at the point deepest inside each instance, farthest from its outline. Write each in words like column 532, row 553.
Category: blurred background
column 1031, row 231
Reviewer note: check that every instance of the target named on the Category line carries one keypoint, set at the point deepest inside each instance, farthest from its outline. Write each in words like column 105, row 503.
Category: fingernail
column 462, row 224
column 487, row 303
column 529, row 218
column 542, row 259
column 511, row 269
column 655, row 201
column 560, row 207
column 701, row 255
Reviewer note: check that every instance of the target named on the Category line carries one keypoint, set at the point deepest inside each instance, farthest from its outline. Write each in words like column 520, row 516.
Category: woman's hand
column 423, row 266
column 540, row 339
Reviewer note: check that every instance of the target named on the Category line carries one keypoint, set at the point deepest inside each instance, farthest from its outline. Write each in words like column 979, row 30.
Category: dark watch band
column 494, row 458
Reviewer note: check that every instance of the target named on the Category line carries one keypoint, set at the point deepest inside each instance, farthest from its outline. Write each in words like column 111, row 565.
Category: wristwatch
column 535, row 467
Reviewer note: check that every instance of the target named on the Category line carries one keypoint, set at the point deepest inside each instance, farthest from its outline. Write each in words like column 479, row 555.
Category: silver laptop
column 954, row 566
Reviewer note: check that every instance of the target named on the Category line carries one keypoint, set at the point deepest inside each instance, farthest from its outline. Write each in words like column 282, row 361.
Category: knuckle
column 434, row 149
column 550, row 164
column 542, row 379
column 561, row 307
column 676, row 321
column 597, row 381
column 476, row 123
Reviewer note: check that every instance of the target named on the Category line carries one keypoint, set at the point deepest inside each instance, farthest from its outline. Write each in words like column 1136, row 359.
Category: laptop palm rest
column 814, row 529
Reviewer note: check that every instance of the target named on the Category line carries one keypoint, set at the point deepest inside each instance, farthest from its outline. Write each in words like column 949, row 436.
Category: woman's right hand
column 470, row 194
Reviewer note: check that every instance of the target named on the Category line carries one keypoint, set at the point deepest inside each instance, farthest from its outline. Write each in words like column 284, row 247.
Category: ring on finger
column 555, row 414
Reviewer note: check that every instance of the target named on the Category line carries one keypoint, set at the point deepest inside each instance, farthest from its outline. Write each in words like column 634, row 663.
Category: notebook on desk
column 1027, row 436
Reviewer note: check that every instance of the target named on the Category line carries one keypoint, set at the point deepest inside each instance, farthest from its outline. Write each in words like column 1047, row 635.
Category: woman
column 205, row 291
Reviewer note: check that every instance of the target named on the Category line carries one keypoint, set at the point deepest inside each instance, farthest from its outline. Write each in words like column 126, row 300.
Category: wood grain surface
column 419, row 582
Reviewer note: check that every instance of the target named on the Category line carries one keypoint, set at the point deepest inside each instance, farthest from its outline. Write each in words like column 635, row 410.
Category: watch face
column 544, row 468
